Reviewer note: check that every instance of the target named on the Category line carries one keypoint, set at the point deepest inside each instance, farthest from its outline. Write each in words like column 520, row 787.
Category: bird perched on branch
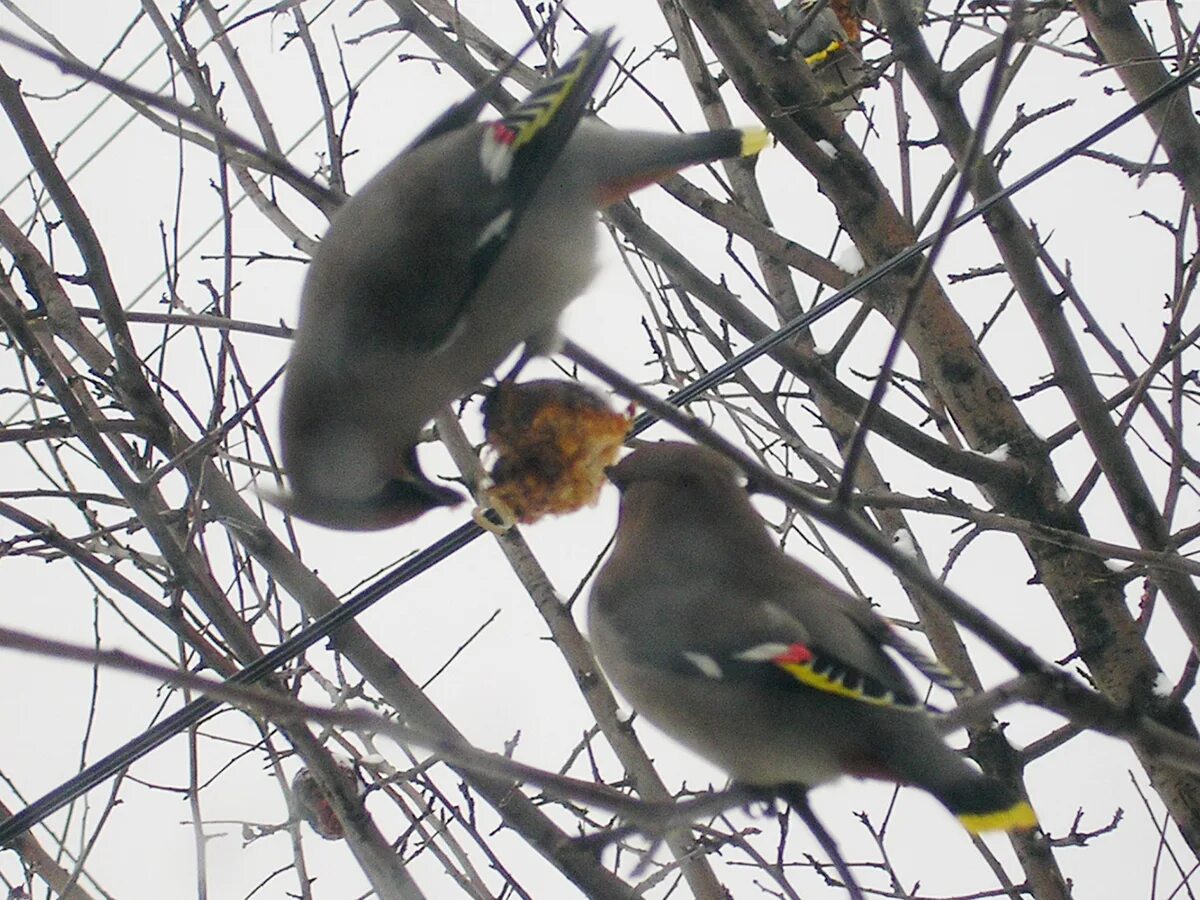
column 312, row 800
column 828, row 35
column 469, row 243
column 753, row 660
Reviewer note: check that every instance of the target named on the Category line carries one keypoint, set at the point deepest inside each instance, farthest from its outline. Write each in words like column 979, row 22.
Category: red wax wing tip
column 502, row 134
column 795, row 655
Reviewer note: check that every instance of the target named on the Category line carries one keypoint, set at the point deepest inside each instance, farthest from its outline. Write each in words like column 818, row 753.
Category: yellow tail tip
column 1019, row 817
column 821, row 55
column 754, row 140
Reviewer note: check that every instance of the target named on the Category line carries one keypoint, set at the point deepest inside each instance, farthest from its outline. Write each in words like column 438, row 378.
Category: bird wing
column 805, row 665
column 467, row 110
column 495, row 169
column 819, row 643
column 520, row 149
column 502, row 170
column 881, row 632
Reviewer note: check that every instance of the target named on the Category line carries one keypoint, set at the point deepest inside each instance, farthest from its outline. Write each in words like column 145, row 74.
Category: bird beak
column 615, row 474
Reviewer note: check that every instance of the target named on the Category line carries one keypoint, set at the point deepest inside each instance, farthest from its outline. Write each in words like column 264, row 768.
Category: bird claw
column 497, row 517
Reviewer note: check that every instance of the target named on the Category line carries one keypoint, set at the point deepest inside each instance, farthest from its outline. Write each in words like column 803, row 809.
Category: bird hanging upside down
column 470, row 243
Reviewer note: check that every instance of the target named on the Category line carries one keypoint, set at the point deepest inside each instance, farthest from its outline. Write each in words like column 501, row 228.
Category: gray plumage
column 694, row 615
column 838, row 68
column 462, row 248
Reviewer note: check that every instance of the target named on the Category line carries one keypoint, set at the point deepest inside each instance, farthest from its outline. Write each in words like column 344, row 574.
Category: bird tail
column 982, row 803
column 754, row 140
column 630, row 160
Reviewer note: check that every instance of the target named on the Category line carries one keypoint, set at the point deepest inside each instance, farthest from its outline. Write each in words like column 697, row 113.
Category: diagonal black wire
column 773, row 340
column 189, row 715
column 193, row 712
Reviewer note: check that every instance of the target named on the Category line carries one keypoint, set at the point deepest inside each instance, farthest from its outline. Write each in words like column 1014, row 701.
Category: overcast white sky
column 513, row 680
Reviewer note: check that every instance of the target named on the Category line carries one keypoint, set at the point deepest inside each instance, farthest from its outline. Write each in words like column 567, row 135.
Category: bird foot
column 498, row 517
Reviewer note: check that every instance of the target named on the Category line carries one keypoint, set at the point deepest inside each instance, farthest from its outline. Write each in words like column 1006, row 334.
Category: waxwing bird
column 753, row 660
column 468, row 244
column 828, row 39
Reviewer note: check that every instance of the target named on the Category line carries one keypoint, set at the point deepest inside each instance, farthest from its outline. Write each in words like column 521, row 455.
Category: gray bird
column 753, row 660
column 468, row 244
column 829, row 42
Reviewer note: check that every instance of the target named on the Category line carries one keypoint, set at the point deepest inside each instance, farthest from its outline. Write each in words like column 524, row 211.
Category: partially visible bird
column 753, row 660
column 828, row 40
column 469, row 243
column 312, row 801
